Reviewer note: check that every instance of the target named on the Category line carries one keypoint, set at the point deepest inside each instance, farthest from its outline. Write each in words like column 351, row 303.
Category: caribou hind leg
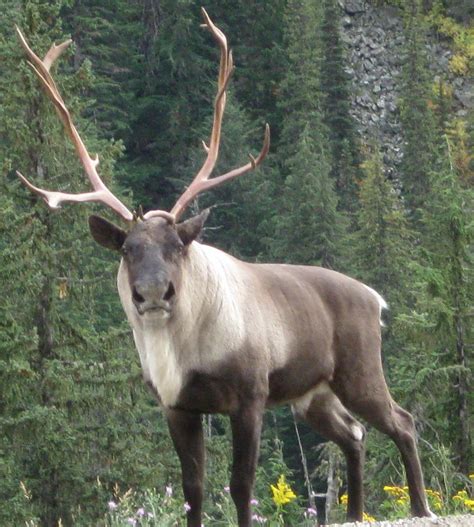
column 377, row 407
column 398, row 424
column 326, row 415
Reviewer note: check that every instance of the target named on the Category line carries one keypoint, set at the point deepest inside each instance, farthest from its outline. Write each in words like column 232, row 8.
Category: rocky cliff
column 374, row 40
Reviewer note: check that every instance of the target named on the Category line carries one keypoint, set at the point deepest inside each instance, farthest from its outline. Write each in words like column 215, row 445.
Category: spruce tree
column 308, row 224
column 308, row 229
column 439, row 322
column 335, row 103
column 382, row 240
column 419, row 147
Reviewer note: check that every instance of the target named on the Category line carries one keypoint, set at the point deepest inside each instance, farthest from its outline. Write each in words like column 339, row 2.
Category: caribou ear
column 190, row 229
column 106, row 234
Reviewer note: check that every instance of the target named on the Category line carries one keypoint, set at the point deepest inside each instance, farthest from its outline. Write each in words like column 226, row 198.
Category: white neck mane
column 209, row 296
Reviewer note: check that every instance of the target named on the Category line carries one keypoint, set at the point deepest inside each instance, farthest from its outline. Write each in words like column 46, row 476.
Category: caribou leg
column 327, row 416
column 246, row 426
column 187, row 435
column 399, row 425
column 377, row 407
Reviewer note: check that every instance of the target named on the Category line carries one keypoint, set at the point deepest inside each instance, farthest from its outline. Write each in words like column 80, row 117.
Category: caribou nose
column 153, row 292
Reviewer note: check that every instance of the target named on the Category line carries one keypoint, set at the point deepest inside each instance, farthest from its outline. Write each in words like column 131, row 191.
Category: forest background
column 77, row 425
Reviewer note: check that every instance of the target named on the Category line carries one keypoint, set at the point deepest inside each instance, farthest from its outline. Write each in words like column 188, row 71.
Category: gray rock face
column 352, row 7
column 374, row 41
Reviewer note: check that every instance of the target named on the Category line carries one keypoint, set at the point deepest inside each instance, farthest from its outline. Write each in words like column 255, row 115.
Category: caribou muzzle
column 153, row 296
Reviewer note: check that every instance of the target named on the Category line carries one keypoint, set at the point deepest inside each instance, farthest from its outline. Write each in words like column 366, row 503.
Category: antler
column 201, row 181
column 101, row 193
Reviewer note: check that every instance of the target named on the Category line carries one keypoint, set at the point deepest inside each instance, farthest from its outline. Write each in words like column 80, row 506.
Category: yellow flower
column 343, row 499
column 396, row 492
column 282, row 493
column 368, row 518
column 433, row 493
column 461, row 495
column 471, row 476
column 469, row 504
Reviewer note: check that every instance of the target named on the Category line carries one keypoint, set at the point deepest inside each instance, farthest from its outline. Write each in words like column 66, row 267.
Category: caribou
column 218, row 335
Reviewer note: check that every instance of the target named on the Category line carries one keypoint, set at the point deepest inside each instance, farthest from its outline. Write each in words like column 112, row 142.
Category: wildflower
column 141, row 512
column 259, row 519
column 471, row 477
column 460, row 496
column 226, row 489
column 343, row 499
column 368, row 518
column 253, row 501
column 282, row 493
column 469, row 504
column 112, row 505
column 310, row 512
column 169, row 491
column 396, row 492
column 186, row 506
column 132, row 521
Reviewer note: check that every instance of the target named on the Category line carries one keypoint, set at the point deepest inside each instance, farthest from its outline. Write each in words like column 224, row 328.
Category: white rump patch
column 380, row 300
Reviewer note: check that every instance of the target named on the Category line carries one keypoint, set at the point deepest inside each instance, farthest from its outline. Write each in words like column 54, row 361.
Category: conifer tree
column 419, row 151
column 308, row 224
column 439, row 322
column 335, row 105
column 382, row 241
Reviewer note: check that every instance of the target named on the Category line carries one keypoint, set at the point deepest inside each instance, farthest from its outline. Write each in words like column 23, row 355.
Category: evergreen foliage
column 308, row 230
column 382, row 239
column 439, row 323
column 416, row 116
column 335, row 89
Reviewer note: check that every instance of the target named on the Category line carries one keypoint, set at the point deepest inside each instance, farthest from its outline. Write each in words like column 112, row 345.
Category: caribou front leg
column 187, row 435
column 246, row 428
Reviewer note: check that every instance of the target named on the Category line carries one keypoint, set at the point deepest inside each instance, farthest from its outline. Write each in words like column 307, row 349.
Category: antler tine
column 201, row 181
column 226, row 68
column 193, row 190
column 101, row 193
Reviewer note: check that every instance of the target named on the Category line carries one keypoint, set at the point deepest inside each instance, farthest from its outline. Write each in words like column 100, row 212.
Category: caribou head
column 152, row 252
